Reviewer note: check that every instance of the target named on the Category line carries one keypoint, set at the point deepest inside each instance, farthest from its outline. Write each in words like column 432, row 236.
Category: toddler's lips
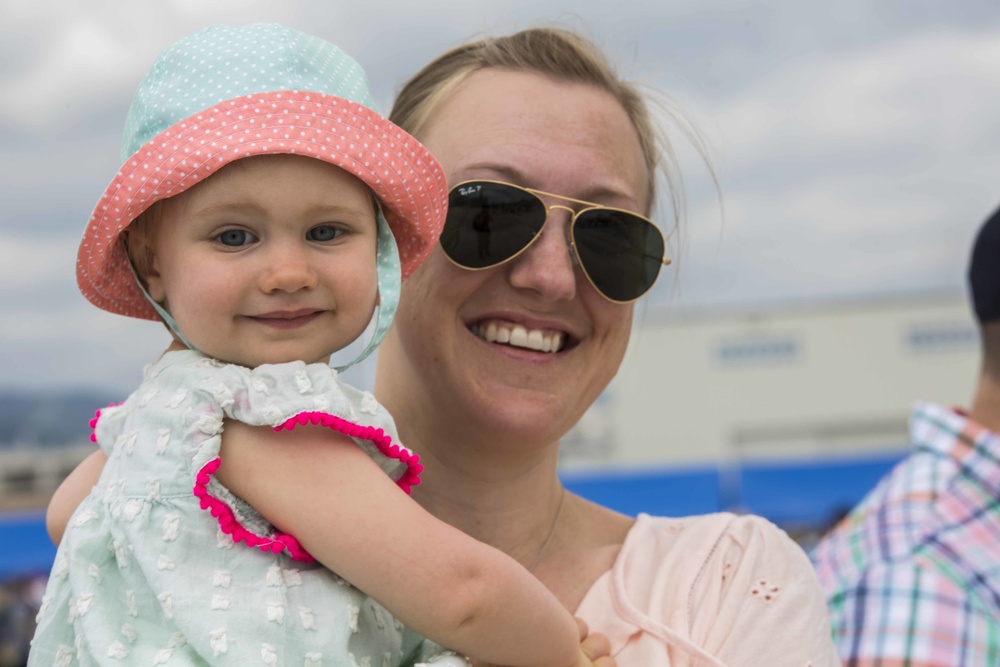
column 286, row 319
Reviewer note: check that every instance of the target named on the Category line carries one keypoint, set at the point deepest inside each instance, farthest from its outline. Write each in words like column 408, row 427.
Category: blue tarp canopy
column 27, row 548
column 800, row 495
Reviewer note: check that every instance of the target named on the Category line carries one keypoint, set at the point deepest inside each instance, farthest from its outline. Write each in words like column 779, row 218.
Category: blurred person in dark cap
column 912, row 574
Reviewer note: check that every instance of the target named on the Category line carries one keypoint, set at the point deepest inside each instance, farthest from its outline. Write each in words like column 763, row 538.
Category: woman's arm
column 71, row 493
column 320, row 487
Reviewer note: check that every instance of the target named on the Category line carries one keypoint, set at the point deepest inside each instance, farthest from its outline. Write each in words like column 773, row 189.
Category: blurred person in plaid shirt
column 912, row 574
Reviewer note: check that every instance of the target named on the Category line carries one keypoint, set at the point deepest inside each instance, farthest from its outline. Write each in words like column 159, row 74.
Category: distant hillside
column 48, row 419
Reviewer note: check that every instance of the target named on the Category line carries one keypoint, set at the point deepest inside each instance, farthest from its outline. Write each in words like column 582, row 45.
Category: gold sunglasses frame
column 574, row 214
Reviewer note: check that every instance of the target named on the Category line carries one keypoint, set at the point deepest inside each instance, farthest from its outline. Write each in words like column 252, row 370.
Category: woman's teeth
column 518, row 336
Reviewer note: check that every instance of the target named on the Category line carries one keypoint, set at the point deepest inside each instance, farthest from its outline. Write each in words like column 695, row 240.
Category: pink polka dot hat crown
column 229, row 92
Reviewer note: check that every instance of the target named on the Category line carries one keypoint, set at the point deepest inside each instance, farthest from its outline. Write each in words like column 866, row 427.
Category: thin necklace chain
column 552, row 532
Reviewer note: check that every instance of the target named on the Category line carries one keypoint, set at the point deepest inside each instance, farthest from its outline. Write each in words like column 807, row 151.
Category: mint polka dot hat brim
column 230, row 92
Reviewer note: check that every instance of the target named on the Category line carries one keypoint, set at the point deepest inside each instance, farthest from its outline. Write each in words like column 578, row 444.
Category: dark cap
column 984, row 271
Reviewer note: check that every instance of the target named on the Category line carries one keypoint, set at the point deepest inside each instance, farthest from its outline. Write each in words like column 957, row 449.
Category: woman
column 542, row 109
column 466, row 374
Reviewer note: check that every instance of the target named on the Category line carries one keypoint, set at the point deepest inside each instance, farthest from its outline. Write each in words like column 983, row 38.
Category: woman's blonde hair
column 562, row 55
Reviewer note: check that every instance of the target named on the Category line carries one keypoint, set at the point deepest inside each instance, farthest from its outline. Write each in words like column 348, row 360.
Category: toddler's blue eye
column 235, row 237
column 323, row 233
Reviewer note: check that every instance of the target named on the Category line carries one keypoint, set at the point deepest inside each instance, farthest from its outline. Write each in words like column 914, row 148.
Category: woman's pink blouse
column 711, row 591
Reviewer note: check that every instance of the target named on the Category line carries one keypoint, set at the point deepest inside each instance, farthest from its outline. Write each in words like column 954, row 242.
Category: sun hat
column 230, row 92
column 984, row 271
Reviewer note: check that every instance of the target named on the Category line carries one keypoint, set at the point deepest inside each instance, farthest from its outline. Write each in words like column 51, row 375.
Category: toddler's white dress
column 162, row 565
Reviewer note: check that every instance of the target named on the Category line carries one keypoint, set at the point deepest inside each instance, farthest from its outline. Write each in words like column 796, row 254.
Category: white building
column 791, row 382
column 793, row 412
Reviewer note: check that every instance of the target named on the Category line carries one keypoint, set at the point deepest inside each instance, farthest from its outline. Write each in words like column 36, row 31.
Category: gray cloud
column 856, row 144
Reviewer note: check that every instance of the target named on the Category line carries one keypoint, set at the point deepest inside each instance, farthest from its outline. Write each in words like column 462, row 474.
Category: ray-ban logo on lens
column 467, row 190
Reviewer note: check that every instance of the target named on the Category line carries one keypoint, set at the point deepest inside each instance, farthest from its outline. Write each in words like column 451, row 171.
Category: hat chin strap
column 161, row 311
column 388, row 273
column 389, row 278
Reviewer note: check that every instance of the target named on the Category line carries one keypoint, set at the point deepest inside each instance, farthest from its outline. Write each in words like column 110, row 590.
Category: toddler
column 265, row 212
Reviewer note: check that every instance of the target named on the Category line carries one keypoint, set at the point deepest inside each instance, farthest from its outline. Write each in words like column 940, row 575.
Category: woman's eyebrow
column 511, row 174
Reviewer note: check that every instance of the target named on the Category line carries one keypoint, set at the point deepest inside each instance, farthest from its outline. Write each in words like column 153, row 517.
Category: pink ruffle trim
column 230, row 525
column 96, row 418
column 383, row 442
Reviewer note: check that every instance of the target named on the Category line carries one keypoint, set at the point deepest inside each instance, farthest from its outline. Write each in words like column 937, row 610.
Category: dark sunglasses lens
column 621, row 253
column 488, row 223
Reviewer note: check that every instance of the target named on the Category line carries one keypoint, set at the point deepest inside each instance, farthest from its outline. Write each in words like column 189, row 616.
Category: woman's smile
column 516, row 335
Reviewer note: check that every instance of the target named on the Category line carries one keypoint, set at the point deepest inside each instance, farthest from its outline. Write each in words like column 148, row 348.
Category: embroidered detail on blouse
column 765, row 591
column 260, row 386
column 222, row 395
column 222, row 578
column 162, row 439
column 291, row 577
column 85, row 517
column 61, row 566
column 80, row 606
column 368, row 403
column 219, row 642
column 178, row 398
column 118, row 651
column 352, row 617
column 64, row 656
column 307, row 618
column 167, row 603
column 128, row 442
column 276, row 613
column 133, row 609
column 171, row 527
column 302, row 382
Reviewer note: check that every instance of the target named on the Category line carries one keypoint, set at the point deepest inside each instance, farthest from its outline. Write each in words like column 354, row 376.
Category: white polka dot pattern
column 226, row 93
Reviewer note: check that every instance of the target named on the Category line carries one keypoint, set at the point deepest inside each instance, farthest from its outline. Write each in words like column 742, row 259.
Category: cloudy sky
column 857, row 143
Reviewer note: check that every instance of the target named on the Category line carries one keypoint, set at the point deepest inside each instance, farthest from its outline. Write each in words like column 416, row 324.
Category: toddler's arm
column 320, row 487
column 71, row 493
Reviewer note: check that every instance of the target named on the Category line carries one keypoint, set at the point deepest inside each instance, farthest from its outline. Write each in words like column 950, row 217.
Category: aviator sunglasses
column 490, row 223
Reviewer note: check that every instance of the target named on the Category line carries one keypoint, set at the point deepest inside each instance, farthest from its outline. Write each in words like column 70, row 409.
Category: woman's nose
column 547, row 266
column 289, row 268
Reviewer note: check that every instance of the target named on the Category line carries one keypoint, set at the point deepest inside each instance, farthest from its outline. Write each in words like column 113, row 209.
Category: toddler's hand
column 595, row 649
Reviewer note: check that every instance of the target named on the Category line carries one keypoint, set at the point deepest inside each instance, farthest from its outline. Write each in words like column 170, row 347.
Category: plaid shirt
column 912, row 575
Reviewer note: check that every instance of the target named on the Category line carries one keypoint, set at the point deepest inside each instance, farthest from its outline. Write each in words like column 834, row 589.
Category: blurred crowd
column 20, row 599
